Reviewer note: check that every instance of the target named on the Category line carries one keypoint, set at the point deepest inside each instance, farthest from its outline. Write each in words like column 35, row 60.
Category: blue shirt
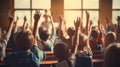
column 30, row 58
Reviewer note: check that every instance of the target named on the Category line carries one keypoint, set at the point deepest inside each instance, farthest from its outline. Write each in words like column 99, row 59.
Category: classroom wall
column 5, row 7
column 57, row 8
column 105, row 10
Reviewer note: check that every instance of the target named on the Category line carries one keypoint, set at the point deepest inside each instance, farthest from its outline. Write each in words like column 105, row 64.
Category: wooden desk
column 96, row 63
column 97, row 60
column 48, row 52
column 48, row 62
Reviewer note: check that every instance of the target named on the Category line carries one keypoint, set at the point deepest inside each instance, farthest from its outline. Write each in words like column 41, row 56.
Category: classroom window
column 78, row 8
column 115, row 10
column 27, row 8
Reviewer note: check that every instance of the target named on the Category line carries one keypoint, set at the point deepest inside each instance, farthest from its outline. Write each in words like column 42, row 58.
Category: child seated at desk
column 28, row 55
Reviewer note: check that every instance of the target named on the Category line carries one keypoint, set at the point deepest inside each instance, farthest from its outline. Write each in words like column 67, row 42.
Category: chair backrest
column 83, row 62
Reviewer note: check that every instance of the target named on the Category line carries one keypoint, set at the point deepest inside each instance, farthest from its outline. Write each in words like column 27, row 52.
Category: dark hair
column 43, row 34
column 112, row 55
column 61, row 51
column 70, row 31
column 94, row 33
column 24, row 40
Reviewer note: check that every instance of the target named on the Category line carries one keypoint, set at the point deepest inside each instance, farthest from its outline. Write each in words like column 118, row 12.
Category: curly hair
column 24, row 40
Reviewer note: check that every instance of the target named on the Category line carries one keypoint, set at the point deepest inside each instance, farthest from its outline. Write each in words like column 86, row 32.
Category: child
column 61, row 51
column 28, row 54
column 112, row 55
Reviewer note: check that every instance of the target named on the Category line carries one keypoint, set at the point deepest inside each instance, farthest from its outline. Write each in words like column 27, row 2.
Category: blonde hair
column 83, row 42
column 110, row 38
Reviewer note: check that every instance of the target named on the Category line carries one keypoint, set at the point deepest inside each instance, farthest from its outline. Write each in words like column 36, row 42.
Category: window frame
column 85, row 9
column 31, row 9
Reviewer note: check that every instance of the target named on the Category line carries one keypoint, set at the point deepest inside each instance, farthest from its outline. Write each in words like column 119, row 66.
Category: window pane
column 21, row 15
column 42, row 4
column 70, row 16
column 93, row 16
column 116, row 4
column 22, row 3
column 94, row 4
column 114, row 16
column 72, row 4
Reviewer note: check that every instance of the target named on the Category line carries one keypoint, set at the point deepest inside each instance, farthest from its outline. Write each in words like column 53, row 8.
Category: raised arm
column 36, row 19
column 76, row 36
column 118, row 29
column 87, row 22
column 90, row 26
column 62, row 24
column 60, row 32
column 10, row 27
column 25, row 19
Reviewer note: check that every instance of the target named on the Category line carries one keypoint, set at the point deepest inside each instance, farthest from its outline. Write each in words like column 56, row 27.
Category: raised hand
column 61, row 21
column 76, row 36
column 118, row 19
column 25, row 18
column 90, row 25
column 87, row 15
column 37, row 16
column 17, row 19
column 87, row 22
column 77, row 22
column 91, row 22
column 61, row 18
column 118, row 29
column 99, row 24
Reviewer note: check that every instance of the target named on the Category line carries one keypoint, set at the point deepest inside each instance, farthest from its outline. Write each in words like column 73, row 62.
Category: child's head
column 83, row 41
column 70, row 31
column 112, row 55
column 94, row 33
column 47, row 14
column 24, row 40
column 44, row 36
column 110, row 38
column 61, row 51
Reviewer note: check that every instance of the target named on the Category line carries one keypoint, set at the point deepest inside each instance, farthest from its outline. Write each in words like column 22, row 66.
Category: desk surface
column 48, row 52
column 48, row 62
column 55, row 61
column 97, row 60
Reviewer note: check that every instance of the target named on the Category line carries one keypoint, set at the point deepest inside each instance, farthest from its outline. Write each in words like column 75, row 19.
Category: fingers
column 77, row 22
column 25, row 19
column 87, row 15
